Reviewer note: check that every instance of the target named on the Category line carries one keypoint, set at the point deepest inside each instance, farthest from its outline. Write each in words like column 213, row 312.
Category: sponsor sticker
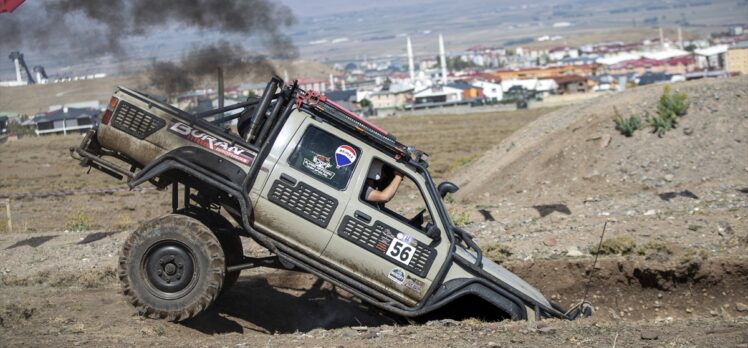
column 235, row 152
column 397, row 275
column 405, row 238
column 345, row 155
column 413, row 284
column 319, row 165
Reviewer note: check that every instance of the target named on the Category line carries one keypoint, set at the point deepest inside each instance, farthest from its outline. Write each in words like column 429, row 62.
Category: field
column 537, row 187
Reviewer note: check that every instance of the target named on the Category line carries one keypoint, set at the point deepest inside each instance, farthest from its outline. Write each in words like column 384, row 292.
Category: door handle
column 361, row 216
column 287, row 178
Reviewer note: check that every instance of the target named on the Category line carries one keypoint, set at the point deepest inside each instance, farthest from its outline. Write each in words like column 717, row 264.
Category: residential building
column 491, row 91
column 66, row 120
column 711, row 58
column 469, row 92
column 736, row 59
column 435, row 95
column 391, row 100
column 571, row 84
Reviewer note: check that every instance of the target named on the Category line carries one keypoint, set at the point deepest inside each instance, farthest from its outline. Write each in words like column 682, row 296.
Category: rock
column 492, row 345
column 713, row 313
column 669, row 177
column 547, row 330
column 741, row 307
column 649, row 335
column 573, row 251
column 550, row 242
column 604, row 140
column 687, row 130
column 724, row 229
column 650, row 212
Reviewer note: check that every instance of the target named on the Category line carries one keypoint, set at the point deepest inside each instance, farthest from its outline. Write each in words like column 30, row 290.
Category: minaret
column 662, row 38
column 16, row 57
column 443, row 59
column 680, row 38
column 411, row 68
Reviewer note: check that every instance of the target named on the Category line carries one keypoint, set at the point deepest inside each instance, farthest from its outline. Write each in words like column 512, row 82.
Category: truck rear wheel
column 171, row 267
column 230, row 241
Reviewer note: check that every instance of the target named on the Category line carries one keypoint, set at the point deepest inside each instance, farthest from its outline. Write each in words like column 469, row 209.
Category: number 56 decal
column 400, row 251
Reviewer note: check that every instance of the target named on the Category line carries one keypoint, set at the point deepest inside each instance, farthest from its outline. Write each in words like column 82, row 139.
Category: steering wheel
column 418, row 219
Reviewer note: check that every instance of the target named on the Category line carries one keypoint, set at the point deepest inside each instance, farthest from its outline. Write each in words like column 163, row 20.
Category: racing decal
column 413, row 284
column 345, row 155
column 397, row 275
column 400, row 250
column 235, row 152
column 320, row 165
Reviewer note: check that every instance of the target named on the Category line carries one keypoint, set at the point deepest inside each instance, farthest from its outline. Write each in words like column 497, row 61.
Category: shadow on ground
column 300, row 303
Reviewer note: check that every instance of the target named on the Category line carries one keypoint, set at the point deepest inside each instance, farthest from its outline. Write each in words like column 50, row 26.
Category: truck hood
column 516, row 283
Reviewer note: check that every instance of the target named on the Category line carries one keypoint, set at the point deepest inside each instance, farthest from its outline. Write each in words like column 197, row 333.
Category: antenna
column 584, row 308
column 594, row 263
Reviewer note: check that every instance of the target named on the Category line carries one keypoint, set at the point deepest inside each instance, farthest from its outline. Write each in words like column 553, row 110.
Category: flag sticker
column 345, row 155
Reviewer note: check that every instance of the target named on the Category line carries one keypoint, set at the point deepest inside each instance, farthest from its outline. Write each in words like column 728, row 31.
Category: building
column 436, row 95
column 711, row 58
column 547, row 72
column 391, row 100
column 469, row 92
column 571, row 84
column 736, row 59
column 491, row 91
column 66, row 120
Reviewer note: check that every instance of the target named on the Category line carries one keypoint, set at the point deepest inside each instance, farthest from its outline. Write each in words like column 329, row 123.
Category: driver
column 378, row 188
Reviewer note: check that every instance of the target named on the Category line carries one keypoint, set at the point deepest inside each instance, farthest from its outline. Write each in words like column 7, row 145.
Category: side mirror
column 434, row 233
column 447, row 187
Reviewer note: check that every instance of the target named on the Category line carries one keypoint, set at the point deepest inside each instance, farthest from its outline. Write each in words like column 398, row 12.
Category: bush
column 626, row 126
column 461, row 219
column 79, row 222
column 660, row 124
column 614, row 246
column 672, row 105
column 497, row 252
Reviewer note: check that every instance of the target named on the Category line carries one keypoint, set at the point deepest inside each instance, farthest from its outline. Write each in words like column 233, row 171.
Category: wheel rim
column 169, row 269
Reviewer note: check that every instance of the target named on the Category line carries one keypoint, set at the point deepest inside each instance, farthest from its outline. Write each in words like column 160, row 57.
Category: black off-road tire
column 172, row 267
column 230, row 241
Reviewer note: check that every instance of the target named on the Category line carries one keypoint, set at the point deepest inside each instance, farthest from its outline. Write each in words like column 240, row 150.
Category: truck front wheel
column 172, row 267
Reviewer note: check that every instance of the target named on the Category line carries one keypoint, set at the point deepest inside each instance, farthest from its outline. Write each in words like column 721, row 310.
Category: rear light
column 107, row 116
column 109, row 110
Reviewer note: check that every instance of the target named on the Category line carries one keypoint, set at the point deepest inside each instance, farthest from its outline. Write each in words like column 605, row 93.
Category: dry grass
column 453, row 141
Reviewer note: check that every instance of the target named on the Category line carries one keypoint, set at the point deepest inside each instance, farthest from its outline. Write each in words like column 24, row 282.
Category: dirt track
column 682, row 277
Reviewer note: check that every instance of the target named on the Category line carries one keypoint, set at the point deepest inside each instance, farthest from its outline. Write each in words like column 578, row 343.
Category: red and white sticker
column 345, row 155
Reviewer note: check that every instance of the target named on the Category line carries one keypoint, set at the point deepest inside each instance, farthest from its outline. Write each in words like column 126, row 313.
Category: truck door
column 305, row 194
column 384, row 244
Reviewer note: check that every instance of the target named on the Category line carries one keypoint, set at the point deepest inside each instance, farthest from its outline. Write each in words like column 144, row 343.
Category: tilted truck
column 292, row 177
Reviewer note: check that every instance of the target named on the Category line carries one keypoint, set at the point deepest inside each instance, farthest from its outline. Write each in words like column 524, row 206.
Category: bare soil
column 673, row 270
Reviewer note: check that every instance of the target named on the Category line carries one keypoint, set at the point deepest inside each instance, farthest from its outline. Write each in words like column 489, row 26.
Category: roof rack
column 326, row 108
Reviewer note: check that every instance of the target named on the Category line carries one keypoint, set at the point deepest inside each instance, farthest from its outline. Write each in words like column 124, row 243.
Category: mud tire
column 230, row 241
column 159, row 237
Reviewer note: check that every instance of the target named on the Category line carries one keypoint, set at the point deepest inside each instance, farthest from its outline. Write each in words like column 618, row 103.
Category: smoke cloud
column 104, row 24
column 202, row 62
column 89, row 28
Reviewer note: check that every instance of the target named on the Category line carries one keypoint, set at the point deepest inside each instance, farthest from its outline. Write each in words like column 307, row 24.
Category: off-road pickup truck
column 295, row 177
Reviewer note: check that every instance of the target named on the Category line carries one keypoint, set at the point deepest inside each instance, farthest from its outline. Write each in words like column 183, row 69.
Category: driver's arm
column 384, row 196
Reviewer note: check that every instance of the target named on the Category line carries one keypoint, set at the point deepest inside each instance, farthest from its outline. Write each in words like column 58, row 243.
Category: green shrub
column 626, row 126
column 78, row 222
column 497, row 252
column 672, row 105
column 660, row 124
column 461, row 219
column 614, row 246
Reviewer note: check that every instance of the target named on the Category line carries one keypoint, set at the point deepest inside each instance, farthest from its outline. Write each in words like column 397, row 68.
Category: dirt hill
column 576, row 151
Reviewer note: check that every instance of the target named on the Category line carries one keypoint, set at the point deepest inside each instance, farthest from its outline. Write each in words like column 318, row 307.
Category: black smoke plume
column 202, row 62
column 102, row 25
column 99, row 27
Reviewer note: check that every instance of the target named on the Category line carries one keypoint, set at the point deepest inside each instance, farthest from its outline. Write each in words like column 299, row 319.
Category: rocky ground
column 672, row 269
